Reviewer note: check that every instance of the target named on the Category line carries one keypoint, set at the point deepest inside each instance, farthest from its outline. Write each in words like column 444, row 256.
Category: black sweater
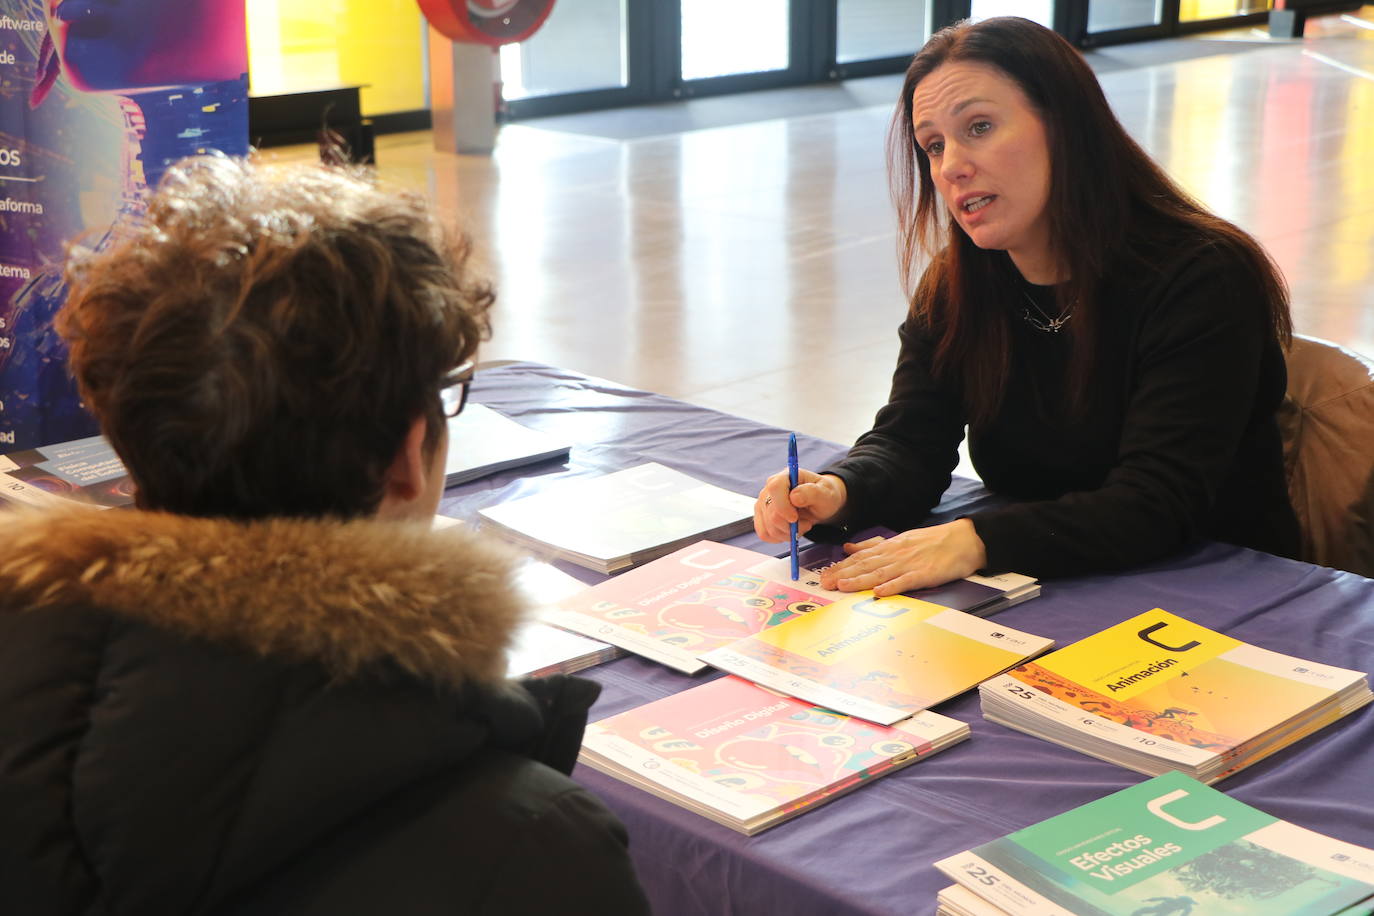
column 1178, row 441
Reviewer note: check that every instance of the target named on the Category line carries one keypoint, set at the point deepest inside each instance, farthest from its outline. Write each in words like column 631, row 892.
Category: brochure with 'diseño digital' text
column 749, row 758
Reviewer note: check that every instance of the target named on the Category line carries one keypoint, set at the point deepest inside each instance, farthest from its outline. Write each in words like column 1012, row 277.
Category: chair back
column 1327, row 423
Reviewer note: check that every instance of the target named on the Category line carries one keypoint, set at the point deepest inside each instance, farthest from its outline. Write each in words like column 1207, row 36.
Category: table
column 870, row 852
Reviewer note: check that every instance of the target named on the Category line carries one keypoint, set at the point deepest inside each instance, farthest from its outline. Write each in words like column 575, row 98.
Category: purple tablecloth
column 871, row 851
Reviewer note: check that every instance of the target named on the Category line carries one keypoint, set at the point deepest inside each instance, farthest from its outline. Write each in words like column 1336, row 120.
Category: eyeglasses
column 453, row 391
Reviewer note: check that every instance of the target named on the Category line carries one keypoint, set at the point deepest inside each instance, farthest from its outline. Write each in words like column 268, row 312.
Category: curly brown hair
column 260, row 343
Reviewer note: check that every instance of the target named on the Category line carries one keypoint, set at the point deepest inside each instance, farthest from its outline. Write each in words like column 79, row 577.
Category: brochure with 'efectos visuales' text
column 1169, row 846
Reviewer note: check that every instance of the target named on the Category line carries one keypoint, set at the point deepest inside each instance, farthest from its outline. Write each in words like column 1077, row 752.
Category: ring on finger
column 768, row 500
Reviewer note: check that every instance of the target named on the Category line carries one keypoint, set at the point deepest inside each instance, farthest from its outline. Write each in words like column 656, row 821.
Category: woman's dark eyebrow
column 955, row 110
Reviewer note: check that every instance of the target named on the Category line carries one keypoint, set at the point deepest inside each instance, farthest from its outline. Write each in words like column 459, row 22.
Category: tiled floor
column 749, row 265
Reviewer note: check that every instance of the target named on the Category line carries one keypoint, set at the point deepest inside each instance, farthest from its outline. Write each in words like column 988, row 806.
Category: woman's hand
column 817, row 498
column 918, row 558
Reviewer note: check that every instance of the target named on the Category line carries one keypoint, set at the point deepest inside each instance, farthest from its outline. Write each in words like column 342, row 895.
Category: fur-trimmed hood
column 344, row 594
column 202, row 716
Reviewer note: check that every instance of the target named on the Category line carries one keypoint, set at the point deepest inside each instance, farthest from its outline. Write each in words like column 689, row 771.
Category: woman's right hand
column 817, row 498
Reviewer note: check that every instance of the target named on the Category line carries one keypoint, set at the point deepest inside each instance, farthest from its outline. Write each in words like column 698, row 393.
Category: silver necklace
column 1045, row 322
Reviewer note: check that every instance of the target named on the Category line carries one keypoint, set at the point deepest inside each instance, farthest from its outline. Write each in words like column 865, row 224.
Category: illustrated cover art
column 1169, row 846
column 736, row 751
column 1169, row 678
column 81, row 471
column 878, row 658
column 689, row 602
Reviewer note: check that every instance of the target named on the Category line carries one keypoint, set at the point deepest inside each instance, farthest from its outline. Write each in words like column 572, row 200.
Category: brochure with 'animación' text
column 878, row 658
column 1158, row 692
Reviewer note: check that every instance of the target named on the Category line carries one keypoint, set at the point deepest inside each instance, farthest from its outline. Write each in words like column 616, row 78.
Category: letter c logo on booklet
column 1145, row 635
column 876, row 607
column 1156, row 807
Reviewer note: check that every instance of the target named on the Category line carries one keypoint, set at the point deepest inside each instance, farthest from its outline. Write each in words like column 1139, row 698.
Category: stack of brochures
column 881, row 659
column 620, row 520
column 1166, row 847
column 707, row 596
column 1158, row 693
column 981, row 596
column 537, row 648
column 749, row 758
column 482, row 441
column 696, row 599
column 81, row 472
column 750, row 755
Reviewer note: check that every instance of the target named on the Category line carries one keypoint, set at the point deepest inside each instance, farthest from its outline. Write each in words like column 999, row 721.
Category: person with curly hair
column 271, row 687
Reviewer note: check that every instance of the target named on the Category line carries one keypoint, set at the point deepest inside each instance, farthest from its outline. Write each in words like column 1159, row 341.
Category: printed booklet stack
column 696, row 599
column 484, row 442
column 538, row 649
column 619, row 520
column 882, row 659
column 1158, row 693
column 981, row 596
column 709, row 596
column 750, row 755
column 81, row 472
column 749, row 758
column 1166, row 847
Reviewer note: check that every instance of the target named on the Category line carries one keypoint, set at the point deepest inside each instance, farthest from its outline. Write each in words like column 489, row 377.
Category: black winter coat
column 202, row 716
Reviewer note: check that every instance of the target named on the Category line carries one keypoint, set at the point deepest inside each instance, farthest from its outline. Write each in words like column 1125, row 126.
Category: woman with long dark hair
column 1114, row 350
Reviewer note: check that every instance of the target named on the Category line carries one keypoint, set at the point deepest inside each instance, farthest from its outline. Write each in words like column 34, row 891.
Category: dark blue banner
column 97, row 99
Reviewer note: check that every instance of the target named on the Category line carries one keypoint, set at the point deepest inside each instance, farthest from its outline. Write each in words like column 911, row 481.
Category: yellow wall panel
column 1198, row 10
column 296, row 45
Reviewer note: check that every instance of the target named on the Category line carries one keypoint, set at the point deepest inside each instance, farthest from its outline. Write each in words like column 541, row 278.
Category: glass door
column 580, row 48
column 873, row 35
column 1117, row 21
column 587, row 55
column 727, row 38
column 1111, row 15
column 732, row 46
column 1041, row 11
column 1064, row 16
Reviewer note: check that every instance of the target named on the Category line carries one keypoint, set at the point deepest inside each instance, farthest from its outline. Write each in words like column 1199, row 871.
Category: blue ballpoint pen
column 792, row 482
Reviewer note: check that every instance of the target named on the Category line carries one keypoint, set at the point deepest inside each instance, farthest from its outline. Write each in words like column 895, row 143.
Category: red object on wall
column 487, row 22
